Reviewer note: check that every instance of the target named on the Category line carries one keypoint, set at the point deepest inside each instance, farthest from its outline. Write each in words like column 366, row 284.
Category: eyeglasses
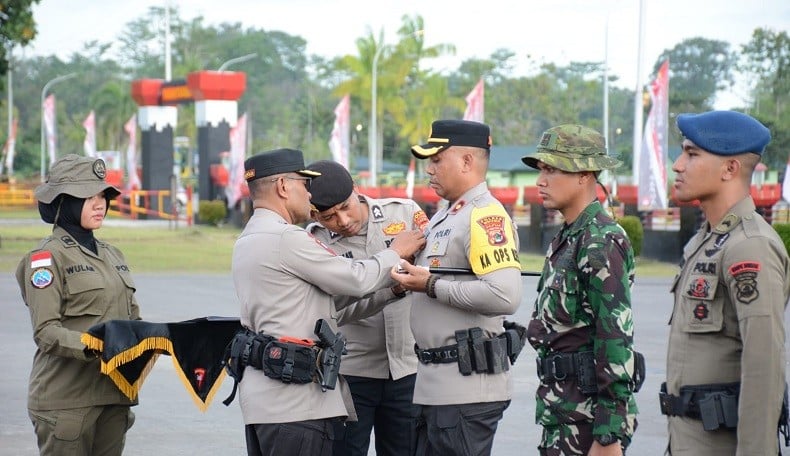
column 307, row 180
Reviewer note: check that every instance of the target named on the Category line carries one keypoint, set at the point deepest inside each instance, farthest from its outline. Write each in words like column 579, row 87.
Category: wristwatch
column 607, row 439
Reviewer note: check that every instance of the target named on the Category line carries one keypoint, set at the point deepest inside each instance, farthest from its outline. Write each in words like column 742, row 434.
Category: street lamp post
column 243, row 58
column 43, row 97
column 372, row 153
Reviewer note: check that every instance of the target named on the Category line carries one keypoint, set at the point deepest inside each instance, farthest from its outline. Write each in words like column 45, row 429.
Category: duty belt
column 716, row 404
column 475, row 353
column 559, row 366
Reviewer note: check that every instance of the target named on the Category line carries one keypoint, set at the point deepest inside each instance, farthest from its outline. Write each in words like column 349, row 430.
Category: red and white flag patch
column 40, row 259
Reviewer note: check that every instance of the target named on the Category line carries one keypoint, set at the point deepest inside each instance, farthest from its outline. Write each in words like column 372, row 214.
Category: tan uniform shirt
column 285, row 279
column 68, row 289
column 465, row 301
column 727, row 326
column 382, row 343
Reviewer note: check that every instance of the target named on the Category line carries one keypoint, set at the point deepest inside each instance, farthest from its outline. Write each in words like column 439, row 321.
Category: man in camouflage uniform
column 726, row 353
column 380, row 366
column 582, row 327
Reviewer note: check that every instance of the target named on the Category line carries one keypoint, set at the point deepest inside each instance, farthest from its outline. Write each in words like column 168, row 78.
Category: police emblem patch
column 394, row 228
column 745, row 274
column 495, row 229
column 699, row 288
column 41, row 278
column 100, row 169
column 435, row 262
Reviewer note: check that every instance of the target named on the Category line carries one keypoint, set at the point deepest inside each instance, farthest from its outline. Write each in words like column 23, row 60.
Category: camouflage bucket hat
column 572, row 148
column 81, row 177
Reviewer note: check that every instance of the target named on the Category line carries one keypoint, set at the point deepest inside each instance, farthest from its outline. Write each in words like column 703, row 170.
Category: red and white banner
column 49, row 127
column 475, row 103
column 340, row 140
column 410, row 179
column 132, row 180
column 238, row 152
column 652, row 183
column 786, row 183
column 90, row 135
column 8, row 150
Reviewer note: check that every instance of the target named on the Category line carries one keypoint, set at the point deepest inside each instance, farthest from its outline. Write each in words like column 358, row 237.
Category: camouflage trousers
column 567, row 440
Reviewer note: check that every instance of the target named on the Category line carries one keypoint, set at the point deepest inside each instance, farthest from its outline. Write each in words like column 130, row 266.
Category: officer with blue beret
column 726, row 355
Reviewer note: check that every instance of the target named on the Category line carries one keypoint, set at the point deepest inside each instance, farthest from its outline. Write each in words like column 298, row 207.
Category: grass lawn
column 202, row 248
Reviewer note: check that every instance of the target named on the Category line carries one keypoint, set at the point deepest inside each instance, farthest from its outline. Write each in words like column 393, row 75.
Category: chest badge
column 701, row 311
column 394, row 228
column 699, row 288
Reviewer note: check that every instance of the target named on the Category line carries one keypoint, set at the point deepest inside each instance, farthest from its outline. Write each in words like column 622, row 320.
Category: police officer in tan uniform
column 380, row 366
column 70, row 282
column 726, row 356
column 285, row 280
column 463, row 383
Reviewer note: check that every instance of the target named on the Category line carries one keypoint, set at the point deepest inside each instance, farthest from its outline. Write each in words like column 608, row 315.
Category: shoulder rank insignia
column 378, row 214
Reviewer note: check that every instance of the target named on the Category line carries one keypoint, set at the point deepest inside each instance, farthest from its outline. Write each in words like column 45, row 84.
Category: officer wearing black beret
column 380, row 366
column 461, row 405
column 726, row 352
column 286, row 280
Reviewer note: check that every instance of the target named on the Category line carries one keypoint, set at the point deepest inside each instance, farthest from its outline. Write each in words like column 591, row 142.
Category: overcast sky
column 556, row 31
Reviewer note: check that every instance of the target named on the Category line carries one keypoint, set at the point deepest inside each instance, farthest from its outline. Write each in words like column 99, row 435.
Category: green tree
column 17, row 26
column 698, row 69
column 766, row 64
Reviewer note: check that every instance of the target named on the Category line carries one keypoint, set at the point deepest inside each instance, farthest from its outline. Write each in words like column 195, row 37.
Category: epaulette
column 727, row 224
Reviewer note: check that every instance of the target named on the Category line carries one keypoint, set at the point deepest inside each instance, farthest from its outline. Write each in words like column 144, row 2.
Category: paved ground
column 169, row 423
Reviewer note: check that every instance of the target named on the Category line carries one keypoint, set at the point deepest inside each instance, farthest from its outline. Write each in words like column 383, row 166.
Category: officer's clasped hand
column 410, row 277
column 407, row 243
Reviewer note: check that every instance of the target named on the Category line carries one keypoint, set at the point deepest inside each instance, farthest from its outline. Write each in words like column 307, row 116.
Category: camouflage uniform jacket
column 584, row 303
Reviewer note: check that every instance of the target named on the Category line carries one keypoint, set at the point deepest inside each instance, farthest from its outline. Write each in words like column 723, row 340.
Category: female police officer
column 72, row 281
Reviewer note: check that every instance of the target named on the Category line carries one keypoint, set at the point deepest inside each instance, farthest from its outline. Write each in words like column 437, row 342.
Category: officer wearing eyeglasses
column 286, row 280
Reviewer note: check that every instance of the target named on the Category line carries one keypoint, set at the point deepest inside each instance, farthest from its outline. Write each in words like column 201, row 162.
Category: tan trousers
column 87, row 431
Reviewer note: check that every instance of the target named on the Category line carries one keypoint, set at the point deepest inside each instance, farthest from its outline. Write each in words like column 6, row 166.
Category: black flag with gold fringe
column 129, row 349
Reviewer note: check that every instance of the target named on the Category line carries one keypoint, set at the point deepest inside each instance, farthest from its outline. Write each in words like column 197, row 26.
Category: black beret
column 278, row 161
column 725, row 132
column 332, row 187
column 448, row 133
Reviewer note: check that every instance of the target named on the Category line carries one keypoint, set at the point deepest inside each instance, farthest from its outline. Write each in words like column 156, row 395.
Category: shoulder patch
column 745, row 275
column 420, row 220
column 595, row 256
column 493, row 245
column 41, row 278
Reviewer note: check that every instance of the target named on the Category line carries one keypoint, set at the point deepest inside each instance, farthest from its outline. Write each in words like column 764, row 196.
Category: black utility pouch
column 479, row 362
column 289, row 363
column 464, row 357
column 718, row 409
column 496, row 355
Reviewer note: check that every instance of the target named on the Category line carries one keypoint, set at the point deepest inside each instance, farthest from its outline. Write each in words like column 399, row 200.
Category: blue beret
column 725, row 132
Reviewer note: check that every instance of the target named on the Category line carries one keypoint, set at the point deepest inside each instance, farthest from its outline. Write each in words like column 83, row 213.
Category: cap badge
column 99, row 169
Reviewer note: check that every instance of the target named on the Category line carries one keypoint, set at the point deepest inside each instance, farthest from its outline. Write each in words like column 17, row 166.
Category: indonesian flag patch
column 40, row 259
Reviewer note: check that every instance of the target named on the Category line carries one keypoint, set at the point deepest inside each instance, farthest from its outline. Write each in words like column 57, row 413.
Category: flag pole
column 638, row 97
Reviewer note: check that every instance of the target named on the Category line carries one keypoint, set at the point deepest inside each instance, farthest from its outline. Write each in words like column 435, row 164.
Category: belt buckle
column 552, row 362
column 425, row 356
